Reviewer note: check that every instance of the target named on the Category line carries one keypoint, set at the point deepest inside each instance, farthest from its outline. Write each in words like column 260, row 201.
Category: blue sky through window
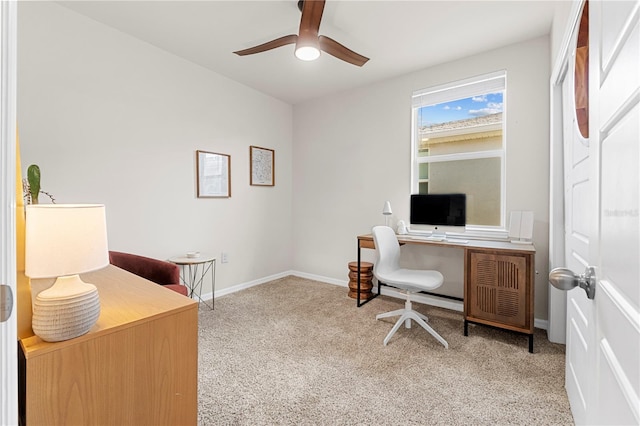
column 461, row 109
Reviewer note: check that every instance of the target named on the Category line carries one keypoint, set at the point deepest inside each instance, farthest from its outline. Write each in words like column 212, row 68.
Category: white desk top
column 468, row 244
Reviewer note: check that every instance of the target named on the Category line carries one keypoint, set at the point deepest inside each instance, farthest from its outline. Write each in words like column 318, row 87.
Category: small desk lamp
column 386, row 211
column 62, row 241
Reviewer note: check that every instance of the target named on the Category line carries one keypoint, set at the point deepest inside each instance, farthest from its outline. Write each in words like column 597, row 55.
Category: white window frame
column 461, row 89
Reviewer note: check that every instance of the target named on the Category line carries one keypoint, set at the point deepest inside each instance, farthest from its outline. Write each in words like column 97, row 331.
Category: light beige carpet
column 298, row 352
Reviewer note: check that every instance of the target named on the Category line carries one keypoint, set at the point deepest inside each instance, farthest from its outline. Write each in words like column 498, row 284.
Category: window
column 458, row 145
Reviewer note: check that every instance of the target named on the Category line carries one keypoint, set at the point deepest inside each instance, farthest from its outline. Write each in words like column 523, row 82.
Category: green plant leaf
column 33, row 176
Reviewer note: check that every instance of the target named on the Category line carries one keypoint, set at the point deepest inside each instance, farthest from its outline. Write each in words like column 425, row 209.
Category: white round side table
column 193, row 271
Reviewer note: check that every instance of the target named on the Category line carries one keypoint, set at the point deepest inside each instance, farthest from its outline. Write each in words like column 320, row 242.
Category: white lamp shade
column 65, row 239
column 387, row 208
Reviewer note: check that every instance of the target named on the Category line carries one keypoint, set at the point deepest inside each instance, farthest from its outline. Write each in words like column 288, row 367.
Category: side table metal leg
column 190, row 281
column 213, row 285
column 199, row 284
column 207, row 267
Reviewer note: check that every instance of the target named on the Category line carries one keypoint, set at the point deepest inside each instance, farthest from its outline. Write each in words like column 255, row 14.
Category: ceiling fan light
column 307, row 53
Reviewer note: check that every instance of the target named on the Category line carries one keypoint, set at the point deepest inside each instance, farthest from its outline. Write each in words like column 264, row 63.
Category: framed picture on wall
column 262, row 161
column 213, row 172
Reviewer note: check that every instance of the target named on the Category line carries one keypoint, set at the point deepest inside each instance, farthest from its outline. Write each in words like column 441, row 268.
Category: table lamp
column 386, row 211
column 62, row 241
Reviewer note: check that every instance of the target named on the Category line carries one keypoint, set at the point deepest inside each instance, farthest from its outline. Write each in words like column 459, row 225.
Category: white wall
column 114, row 120
column 352, row 152
column 560, row 27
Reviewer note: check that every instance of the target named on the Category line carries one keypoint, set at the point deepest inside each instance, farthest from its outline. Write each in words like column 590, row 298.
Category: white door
column 602, row 222
column 8, row 327
column 578, row 207
column 615, row 118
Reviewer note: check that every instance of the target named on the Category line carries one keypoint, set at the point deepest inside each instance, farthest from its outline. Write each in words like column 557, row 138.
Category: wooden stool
column 366, row 277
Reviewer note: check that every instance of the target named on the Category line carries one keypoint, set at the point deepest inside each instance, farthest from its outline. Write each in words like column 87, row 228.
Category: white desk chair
column 387, row 270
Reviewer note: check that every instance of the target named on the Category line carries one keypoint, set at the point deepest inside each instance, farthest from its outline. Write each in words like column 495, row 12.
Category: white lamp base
column 66, row 310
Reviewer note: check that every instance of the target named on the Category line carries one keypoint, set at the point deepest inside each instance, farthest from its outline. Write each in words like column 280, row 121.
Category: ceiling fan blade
column 311, row 17
column 279, row 42
column 334, row 48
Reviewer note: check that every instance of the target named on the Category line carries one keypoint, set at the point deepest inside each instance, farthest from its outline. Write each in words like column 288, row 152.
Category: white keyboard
column 424, row 237
column 456, row 241
column 437, row 238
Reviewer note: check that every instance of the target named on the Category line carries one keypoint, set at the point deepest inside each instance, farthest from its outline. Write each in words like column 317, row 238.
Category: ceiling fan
column 308, row 42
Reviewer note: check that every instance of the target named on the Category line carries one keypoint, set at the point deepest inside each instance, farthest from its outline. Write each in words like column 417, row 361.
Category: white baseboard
column 341, row 283
column 540, row 323
column 243, row 286
column 426, row 299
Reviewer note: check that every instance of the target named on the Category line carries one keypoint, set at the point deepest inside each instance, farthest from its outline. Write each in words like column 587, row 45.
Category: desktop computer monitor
column 438, row 213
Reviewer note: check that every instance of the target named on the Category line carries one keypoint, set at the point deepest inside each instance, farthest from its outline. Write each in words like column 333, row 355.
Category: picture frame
column 262, row 166
column 213, row 172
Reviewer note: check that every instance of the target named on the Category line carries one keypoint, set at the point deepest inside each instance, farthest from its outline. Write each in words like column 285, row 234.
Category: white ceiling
column 397, row 36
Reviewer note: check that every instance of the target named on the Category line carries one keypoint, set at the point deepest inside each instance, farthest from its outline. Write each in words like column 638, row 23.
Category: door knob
column 565, row 279
column 6, row 302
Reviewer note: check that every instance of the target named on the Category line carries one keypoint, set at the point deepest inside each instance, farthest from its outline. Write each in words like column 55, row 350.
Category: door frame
column 557, row 303
column 9, row 328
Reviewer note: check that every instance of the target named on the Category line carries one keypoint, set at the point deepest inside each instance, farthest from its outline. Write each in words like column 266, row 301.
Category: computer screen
column 438, row 212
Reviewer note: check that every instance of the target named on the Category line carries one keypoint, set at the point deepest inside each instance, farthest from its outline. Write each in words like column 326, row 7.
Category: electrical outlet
column 224, row 257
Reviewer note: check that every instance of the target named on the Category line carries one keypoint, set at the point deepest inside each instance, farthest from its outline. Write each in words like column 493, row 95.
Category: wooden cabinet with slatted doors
column 498, row 290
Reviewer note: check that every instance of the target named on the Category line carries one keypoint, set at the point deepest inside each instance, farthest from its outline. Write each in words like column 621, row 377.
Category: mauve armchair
column 160, row 272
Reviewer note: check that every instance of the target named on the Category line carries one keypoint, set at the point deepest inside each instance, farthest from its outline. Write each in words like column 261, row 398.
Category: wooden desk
column 138, row 365
column 498, row 281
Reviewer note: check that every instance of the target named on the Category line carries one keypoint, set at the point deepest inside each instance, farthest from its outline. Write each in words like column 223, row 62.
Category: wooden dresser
column 138, row 365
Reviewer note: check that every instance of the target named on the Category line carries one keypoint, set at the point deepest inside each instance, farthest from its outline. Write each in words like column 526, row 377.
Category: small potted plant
column 31, row 186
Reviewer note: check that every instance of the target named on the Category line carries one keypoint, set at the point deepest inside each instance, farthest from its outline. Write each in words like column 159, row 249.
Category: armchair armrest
column 158, row 271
